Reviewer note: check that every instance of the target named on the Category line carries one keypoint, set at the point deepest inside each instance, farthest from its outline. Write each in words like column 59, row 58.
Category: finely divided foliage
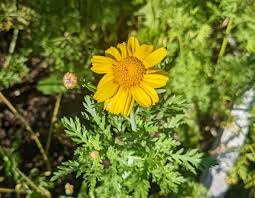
column 130, row 163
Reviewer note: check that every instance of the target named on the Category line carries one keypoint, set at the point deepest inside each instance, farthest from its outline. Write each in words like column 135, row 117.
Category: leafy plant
column 115, row 160
column 198, row 35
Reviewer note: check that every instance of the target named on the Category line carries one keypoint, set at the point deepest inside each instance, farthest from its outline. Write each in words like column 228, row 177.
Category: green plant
column 116, row 161
column 211, row 55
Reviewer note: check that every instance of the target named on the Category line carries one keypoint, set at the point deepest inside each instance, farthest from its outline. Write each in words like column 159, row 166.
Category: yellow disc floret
column 129, row 71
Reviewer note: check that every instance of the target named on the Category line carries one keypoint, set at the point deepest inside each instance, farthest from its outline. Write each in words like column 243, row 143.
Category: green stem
column 132, row 120
column 225, row 40
column 53, row 120
column 27, row 127
column 40, row 190
column 180, row 45
column 17, row 172
column 11, row 190
column 11, row 48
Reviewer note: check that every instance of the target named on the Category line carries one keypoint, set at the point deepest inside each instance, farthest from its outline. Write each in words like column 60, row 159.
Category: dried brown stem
column 27, row 127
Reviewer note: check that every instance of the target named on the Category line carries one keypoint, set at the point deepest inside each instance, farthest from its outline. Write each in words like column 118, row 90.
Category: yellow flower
column 129, row 76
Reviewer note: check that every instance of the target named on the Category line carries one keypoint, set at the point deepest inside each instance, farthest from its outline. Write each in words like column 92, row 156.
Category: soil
column 37, row 110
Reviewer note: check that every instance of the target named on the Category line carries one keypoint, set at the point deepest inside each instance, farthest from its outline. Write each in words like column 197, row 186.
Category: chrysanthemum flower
column 129, row 76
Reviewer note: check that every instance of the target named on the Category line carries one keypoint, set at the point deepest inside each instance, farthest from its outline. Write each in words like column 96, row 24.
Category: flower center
column 129, row 71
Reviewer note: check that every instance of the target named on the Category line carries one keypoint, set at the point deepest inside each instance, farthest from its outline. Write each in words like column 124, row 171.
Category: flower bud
column 70, row 80
column 94, row 154
column 68, row 188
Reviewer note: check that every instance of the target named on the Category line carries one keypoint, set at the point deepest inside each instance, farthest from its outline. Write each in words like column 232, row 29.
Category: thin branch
column 11, row 190
column 225, row 40
column 33, row 185
column 19, row 173
column 132, row 120
column 28, row 128
column 11, row 48
column 180, row 45
column 53, row 120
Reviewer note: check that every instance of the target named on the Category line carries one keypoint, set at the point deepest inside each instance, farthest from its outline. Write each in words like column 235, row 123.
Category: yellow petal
column 111, row 104
column 151, row 92
column 107, row 91
column 143, row 51
column 155, row 80
column 132, row 45
column 129, row 104
column 155, row 57
column 120, row 103
column 141, row 96
column 114, row 52
column 102, row 64
column 123, row 49
column 106, row 78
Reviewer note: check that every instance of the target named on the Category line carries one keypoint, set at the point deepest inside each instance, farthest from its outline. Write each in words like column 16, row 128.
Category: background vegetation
column 211, row 64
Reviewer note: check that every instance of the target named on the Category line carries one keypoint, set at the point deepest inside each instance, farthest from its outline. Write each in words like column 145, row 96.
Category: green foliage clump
column 13, row 19
column 198, row 34
column 62, row 34
column 116, row 161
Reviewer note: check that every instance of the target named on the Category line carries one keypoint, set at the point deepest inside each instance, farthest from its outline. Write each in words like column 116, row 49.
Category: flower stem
column 53, row 120
column 18, row 173
column 33, row 185
column 132, row 120
column 11, row 190
column 11, row 48
column 225, row 40
column 27, row 127
column 180, row 45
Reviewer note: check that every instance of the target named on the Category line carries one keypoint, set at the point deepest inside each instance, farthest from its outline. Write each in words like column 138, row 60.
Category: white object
column 231, row 141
